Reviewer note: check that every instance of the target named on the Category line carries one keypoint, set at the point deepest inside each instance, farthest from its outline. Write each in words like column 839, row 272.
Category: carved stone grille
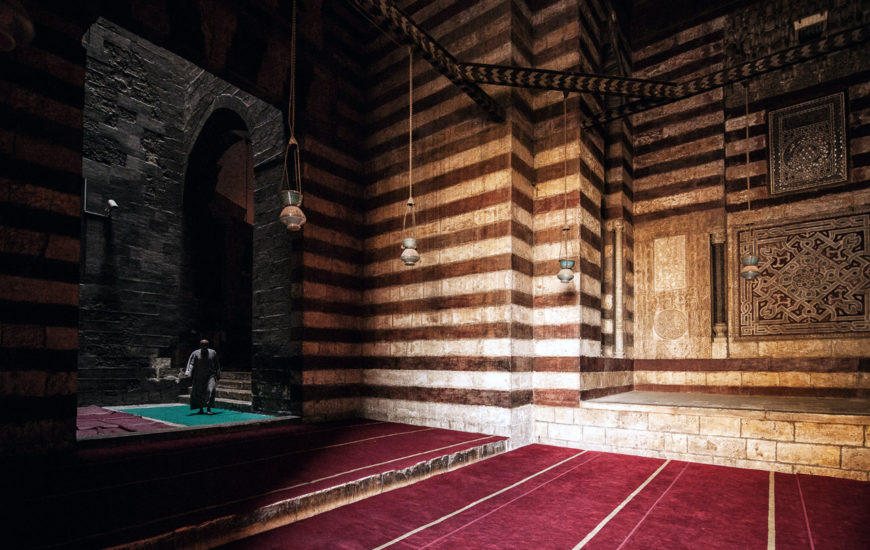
column 814, row 281
column 808, row 145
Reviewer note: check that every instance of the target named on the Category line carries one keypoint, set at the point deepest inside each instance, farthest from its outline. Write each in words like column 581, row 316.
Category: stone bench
column 814, row 435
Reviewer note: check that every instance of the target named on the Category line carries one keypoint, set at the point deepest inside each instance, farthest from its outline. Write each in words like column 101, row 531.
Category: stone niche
column 144, row 112
column 672, row 277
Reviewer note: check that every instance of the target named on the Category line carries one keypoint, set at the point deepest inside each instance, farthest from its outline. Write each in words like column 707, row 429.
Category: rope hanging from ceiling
column 409, row 240
column 750, row 270
column 291, row 196
column 566, row 273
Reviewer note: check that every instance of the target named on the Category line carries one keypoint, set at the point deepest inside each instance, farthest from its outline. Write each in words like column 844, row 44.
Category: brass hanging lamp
column 409, row 233
column 566, row 263
column 750, row 270
column 291, row 192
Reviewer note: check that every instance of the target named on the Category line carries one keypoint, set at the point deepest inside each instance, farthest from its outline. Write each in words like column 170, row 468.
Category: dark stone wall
column 130, row 309
column 144, row 110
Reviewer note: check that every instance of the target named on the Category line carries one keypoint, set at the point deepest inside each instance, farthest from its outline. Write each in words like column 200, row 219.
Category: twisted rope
column 410, row 146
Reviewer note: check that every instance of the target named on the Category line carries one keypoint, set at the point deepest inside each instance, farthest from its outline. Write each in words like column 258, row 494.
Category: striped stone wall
column 444, row 340
column 568, row 324
column 607, row 376
column 816, row 376
column 329, row 295
column 41, row 97
column 678, row 194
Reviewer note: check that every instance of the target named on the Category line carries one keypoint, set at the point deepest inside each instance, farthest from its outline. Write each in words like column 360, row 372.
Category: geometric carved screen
column 814, row 281
column 808, row 145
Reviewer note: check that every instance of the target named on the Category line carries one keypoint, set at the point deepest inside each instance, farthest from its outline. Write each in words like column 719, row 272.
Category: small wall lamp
column 107, row 211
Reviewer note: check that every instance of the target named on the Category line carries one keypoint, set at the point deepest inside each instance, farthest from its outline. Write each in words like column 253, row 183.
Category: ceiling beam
column 391, row 19
column 544, row 79
column 778, row 60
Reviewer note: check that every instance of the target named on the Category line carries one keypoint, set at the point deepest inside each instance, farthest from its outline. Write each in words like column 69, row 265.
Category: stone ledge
column 226, row 529
column 795, row 442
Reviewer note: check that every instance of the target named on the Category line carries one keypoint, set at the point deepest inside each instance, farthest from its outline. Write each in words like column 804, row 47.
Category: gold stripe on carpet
column 473, row 504
column 771, row 516
column 622, row 505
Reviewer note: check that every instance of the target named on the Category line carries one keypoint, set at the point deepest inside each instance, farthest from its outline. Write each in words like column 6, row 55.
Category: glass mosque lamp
column 750, row 267
column 292, row 216
column 566, row 271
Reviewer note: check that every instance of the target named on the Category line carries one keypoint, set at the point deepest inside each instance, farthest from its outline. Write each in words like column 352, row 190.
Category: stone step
column 243, row 524
column 229, row 393
column 234, row 384
column 223, row 403
column 236, row 375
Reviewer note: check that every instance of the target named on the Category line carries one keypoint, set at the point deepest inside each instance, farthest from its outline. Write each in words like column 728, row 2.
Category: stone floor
column 820, row 405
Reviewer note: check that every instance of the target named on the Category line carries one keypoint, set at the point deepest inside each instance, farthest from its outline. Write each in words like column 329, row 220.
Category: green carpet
column 182, row 414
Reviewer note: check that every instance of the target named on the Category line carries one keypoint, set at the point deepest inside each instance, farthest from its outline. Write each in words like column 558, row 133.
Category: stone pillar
column 718, row 294
column 618, row 321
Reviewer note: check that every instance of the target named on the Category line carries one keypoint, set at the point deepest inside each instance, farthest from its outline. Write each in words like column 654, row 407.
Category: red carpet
column 379, row 519
column 94, row 421
column 541, row 497
column 574, row 501
column 108, row 496
column 837, row 510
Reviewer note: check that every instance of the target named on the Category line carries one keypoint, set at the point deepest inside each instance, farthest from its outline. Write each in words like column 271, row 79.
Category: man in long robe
column 205, row 369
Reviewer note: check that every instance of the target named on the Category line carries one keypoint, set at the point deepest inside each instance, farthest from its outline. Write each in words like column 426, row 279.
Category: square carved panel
column 814, row 281
column 808, row 145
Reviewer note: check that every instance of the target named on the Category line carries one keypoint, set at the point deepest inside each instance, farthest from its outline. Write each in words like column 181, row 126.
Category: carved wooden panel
column 814, row 281
column 808, row 145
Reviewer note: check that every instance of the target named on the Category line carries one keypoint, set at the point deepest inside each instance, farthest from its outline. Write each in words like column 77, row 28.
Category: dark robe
column 205, row 371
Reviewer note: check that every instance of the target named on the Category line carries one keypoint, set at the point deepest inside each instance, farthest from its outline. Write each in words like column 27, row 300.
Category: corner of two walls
column 481, row 330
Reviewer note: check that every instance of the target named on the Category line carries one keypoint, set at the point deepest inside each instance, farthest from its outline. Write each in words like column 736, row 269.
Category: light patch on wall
column 670, row 263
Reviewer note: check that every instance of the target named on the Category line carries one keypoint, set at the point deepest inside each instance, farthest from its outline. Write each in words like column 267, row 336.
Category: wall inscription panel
column 814, row 281
column 808, row 145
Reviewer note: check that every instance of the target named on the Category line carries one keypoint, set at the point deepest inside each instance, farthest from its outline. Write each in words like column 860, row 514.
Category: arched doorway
column 218, row 232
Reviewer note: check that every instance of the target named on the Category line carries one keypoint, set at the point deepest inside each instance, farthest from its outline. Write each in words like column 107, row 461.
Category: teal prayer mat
column 185, row 416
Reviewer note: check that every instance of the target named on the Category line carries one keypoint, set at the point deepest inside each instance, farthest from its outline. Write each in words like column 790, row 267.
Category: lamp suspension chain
column 411, row 138
column 410, row 256
column 750, row 270
column 746, row 119
column 566, row 273
column 291, row 198
column 565, row 159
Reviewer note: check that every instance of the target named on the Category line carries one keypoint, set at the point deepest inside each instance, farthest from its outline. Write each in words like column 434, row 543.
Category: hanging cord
column 565, row 156
column 746, row 100
column 292, row 143
column 410, row 146
column 563, row 249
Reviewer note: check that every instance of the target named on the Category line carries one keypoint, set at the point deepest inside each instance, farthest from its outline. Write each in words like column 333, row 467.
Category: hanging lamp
column 291, row 197
column 409, row 233
column 566, row 264
column 750, row 270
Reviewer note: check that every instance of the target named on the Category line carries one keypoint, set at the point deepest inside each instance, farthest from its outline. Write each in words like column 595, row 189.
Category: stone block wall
column 144, row 110
column 818, row 444
column 131, row 305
